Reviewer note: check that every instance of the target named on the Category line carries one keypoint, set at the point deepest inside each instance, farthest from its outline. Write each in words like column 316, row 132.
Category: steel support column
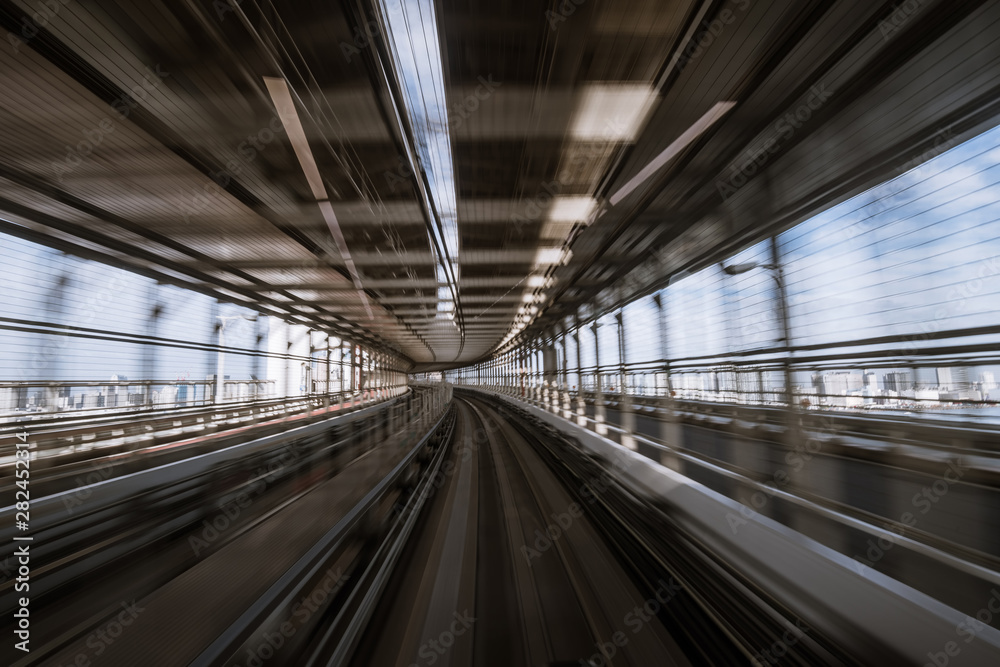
column 581, row 406
column 600, row 426
column 625, row 404
column 671, row 430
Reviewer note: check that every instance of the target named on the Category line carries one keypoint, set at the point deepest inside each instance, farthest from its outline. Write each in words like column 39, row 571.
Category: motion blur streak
column 499, row 332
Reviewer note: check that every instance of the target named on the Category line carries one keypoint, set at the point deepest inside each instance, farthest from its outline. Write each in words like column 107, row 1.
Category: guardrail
column 32, row 401
column 855, row 606
column 61, row 434
column 75, row 532
column 892, row 427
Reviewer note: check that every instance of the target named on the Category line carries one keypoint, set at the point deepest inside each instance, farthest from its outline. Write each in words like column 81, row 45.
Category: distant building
column 14, row 398
column 871, row 380
column 963, row 395
column 927, row 395
column 898, row 382
column 169, row 394
column 953, row 379
column 116, row 395
column 988, row 380
column 926, row 378
column 833, row 386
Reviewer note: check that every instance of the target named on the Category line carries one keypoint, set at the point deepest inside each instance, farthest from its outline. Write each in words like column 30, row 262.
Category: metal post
column 566, row 412
column 356, row 373
column 628, row 417
column 348, row 370
column 310, row 383
column 550, row 380
column 511, row 373
column 149, row 351
column 288, row 362
column 671, row 430
column 536, row 383
column 341, row 374
column 520, row 370
column 512, row 378
column 599, row 417
column 220, row 390
column 581, row 407
column 506, row 372
column 547, row 384
column 536, row 362
column 526, row 371
column 326, row 389
column 793, row 430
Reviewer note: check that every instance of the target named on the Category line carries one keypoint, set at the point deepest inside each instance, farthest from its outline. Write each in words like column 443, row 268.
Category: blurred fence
column 889, row 301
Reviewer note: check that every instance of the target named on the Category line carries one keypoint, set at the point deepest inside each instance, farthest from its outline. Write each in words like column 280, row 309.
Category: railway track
column 491, row 540
column 508, row 569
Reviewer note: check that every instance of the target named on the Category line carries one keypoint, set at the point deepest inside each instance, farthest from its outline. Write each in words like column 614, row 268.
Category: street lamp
column 737, row 269
column 775, row 271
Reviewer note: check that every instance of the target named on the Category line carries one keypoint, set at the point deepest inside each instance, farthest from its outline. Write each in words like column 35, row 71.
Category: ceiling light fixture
column 611, row 112
column 552, row 256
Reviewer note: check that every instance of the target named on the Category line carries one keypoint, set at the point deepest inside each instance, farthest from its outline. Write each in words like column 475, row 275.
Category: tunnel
column 532, row 333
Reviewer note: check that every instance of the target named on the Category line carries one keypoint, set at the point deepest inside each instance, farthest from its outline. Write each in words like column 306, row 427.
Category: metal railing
column 130, row 427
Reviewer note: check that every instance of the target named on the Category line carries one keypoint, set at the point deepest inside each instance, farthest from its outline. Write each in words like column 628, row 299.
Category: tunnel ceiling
column 149, row 134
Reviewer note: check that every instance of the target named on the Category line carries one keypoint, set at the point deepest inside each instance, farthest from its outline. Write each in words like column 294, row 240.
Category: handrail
column 73, row 430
